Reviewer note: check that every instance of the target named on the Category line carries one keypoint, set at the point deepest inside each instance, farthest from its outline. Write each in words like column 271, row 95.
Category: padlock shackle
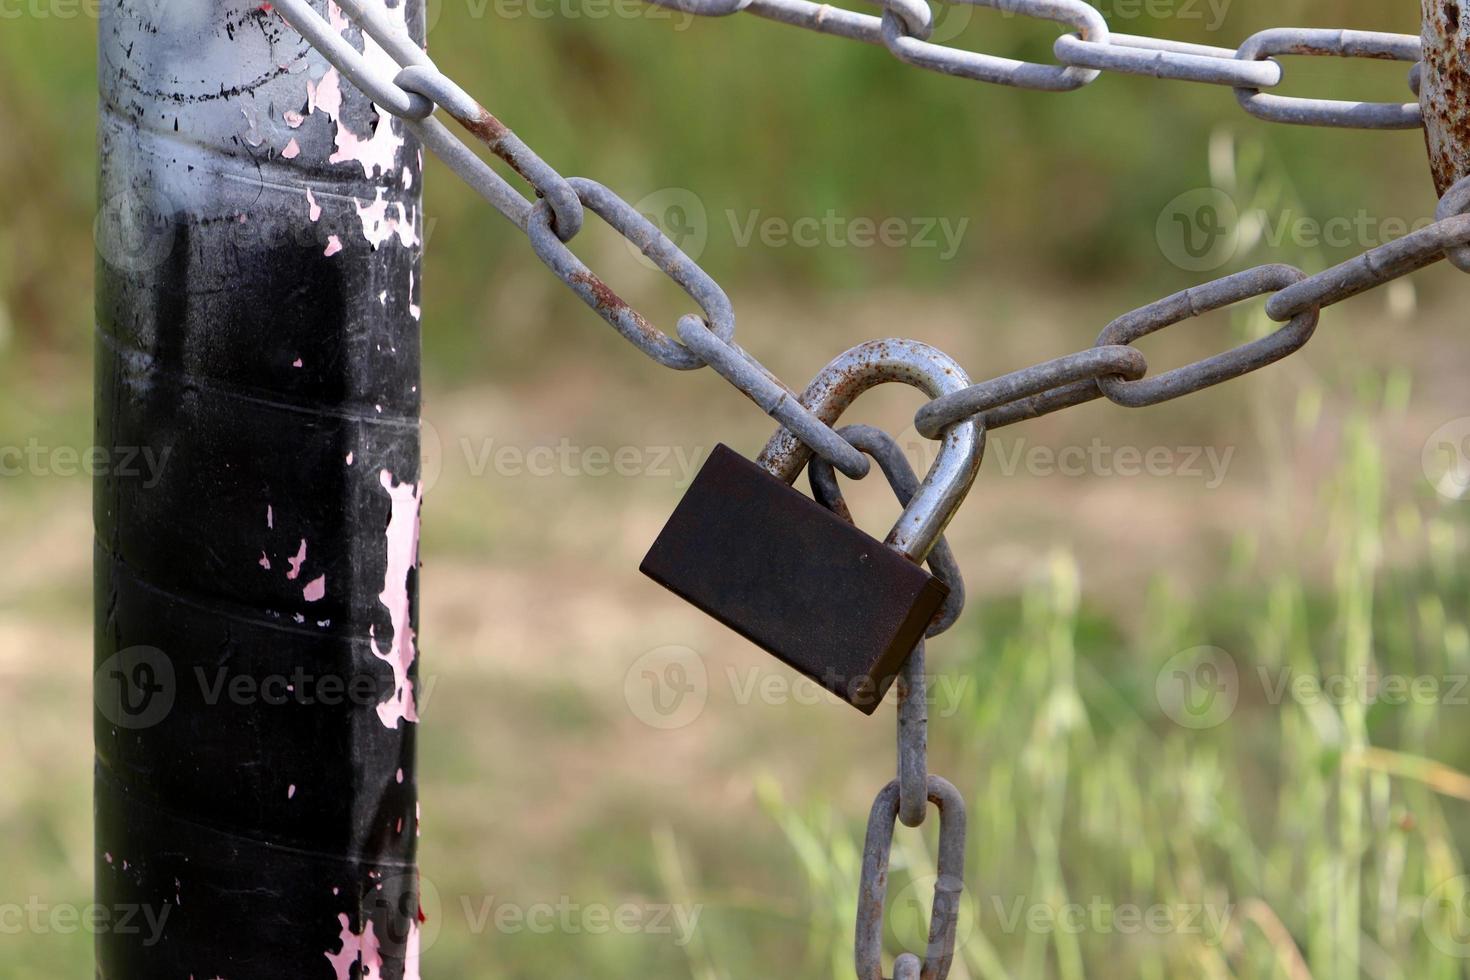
column 962, row 445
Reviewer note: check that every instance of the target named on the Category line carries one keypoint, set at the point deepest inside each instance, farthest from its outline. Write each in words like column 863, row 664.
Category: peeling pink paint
column 292, row 150
column 403, row 546
column 293, row 118
column 265, row 562
column 326, row 94
column 412, row 952
column 315, row 589
column 334, row 245
column 291, row 792
column 357, row 950
column 379, row 150
column 297, row 363
column 349, row 459
column 296, row 562
column 313, row 209
column 379, row 225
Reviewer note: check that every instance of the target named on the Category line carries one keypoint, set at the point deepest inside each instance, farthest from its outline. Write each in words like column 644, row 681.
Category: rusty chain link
column 1112, row 368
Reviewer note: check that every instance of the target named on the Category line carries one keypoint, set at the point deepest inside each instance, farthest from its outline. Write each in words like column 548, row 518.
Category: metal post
column 1445, row 90
column 258, row 339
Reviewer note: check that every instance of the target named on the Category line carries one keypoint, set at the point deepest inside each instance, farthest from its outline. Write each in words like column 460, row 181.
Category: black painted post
column 256, row 560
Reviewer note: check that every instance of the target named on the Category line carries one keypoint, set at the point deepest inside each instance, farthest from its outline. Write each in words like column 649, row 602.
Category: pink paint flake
column 313, row 209
column 349, row 459
column 326, row 94
column 291, row 792
column 380, row 224
column 334, row 245
column 402, row 546
column 265, row 562
column 297, row 363
column 296, row 562
column 292, row 150
column 358, row 950
column 412, row 952
column 315, row 589
column 293, row 118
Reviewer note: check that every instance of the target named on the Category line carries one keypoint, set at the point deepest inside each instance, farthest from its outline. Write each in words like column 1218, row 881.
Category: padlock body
column 825, row 598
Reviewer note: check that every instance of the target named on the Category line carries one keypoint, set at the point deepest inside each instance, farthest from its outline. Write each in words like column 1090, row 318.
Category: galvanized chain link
column 949, row 884
column 913, row 698
column 555, row 219
column 1112, row 368
column 905, row 27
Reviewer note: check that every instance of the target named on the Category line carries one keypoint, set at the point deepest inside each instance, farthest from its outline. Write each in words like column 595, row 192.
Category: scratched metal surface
column 258, row 329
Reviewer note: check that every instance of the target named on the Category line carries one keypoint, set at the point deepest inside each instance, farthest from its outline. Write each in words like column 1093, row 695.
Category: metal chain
column 1112, row 368
column 905, row 27
column 708, row 339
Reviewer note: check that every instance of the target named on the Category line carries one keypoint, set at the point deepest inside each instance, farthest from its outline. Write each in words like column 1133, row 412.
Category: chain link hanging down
column 1111, row 368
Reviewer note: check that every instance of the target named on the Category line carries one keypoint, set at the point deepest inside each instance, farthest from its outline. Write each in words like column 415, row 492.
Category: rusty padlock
column 824, row 597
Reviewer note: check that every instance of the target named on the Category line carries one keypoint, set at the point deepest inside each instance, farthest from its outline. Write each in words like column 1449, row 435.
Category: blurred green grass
column 1317, row 830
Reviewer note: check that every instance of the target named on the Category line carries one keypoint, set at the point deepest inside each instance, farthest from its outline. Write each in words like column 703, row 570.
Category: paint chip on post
column 402, row 541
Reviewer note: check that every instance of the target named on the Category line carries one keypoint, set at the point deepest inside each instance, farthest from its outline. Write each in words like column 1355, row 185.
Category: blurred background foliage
column 1329, row 836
